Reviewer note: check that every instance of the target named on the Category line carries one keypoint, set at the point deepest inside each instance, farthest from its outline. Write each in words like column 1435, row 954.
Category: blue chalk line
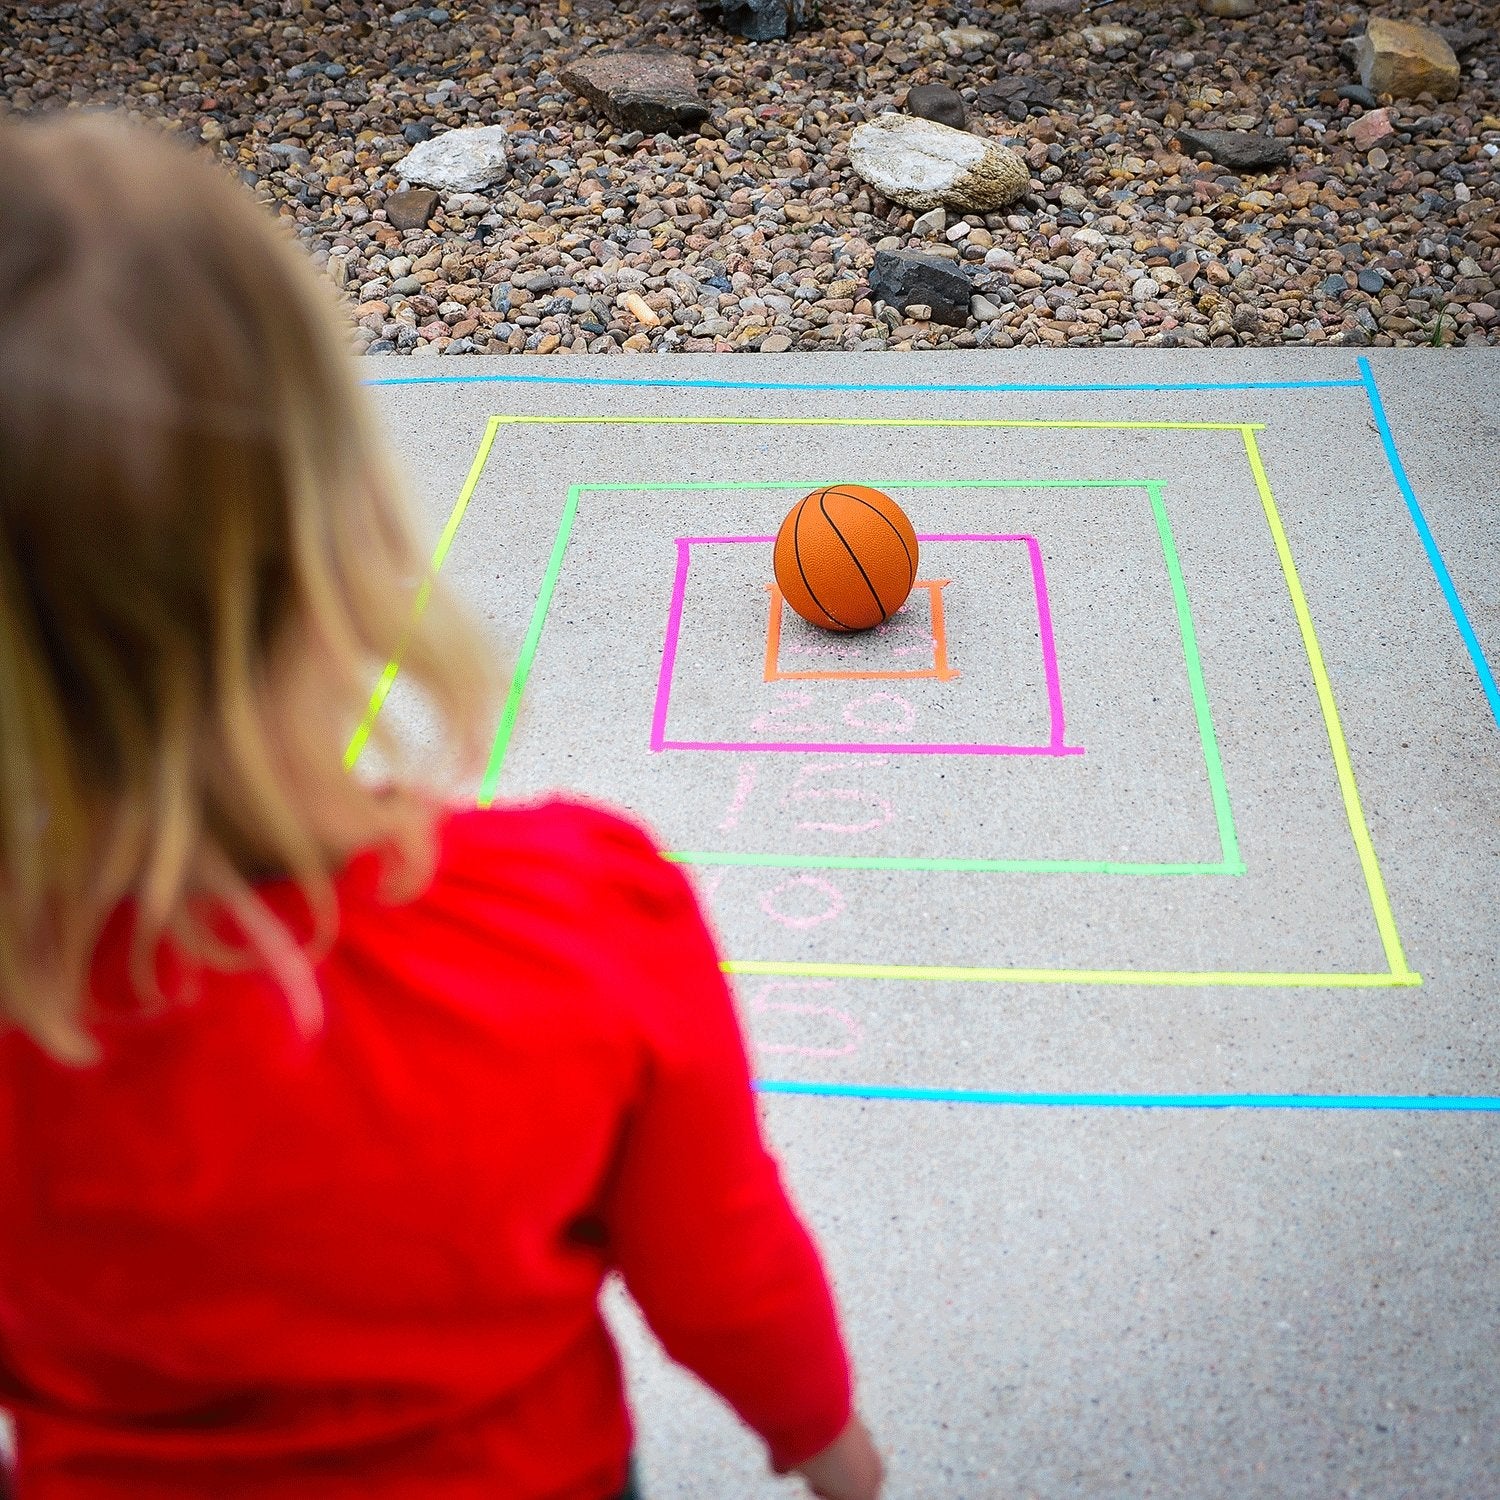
column 1430, row 1103
column 1429, row 543
column 795, row 385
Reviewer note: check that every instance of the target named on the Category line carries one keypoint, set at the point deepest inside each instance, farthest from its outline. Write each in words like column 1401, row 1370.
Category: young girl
column 324, row 1110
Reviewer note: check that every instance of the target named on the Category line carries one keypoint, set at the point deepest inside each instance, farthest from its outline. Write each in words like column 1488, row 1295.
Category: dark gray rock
column 1465, row 39
column 1334, row 286
column 936, row 101
column 1372, row 282
column 756, row 20
column 291, row 152
column 1015, row 96
column 1241, row 150
column 411, row 208
column 1358, row 94
column 645, row 89
column 904, row 280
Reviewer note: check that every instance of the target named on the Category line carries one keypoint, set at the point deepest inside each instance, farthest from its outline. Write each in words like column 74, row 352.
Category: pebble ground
column 755, row 234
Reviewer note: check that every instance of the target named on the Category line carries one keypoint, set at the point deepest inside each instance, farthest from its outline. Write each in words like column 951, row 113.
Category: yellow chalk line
column 1380, row 902
column 1173, row 978
column 388, row 677
column 676, row 421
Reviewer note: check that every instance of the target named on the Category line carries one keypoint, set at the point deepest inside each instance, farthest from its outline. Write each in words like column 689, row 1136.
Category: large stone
column 460, row 161
column 1242, row 150
column 905, row 280
column 921, row 164
column 936, row 101
column 756, row 20
column 1403, row 59
column 648, row 89
column 411, row 208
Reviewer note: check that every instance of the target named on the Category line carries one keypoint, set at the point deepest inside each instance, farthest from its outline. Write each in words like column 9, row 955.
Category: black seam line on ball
column 797, row 554
column 911, row 567
column 879, row 604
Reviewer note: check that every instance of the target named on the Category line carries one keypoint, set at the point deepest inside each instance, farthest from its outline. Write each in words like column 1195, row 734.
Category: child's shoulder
column 566, row 894
column 562, row 848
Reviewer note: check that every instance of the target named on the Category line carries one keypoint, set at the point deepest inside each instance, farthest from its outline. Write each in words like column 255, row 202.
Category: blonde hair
column 204, row 562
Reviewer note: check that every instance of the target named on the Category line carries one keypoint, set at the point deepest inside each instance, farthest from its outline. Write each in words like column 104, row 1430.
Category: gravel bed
column 755, row 234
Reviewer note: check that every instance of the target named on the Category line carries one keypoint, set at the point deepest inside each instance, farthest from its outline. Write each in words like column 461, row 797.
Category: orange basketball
column 846, row 557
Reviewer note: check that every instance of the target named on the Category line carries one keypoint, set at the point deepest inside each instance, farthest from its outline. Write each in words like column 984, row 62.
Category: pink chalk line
column 1054, row 747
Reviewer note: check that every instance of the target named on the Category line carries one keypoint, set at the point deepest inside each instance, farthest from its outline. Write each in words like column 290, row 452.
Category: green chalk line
column 905, row 484
column 1230, row 863
column 1229, row 842
column 490, row 784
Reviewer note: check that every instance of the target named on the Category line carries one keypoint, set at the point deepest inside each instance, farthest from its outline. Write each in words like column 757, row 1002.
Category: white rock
column 1099, row 39
column 921, row 165
column 967, row 38
column 460, row 161
column 982, row 310
column 931, row 223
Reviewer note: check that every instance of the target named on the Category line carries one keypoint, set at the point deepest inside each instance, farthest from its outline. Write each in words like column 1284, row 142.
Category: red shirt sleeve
column 698, row 1221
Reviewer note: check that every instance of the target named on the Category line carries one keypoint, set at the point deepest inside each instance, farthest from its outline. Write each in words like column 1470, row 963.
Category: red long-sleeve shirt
column 239, row 1262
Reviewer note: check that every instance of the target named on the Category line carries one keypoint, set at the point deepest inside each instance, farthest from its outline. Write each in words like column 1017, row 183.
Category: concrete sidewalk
column 1126, row 1003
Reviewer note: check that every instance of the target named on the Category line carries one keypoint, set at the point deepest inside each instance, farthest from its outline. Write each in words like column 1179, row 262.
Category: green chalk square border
column 1230, row 861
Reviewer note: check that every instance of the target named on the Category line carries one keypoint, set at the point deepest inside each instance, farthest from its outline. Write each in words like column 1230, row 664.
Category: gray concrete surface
column 1083, row 1299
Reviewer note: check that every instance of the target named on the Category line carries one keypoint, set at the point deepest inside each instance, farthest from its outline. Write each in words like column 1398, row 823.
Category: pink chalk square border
column 1056, row 743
